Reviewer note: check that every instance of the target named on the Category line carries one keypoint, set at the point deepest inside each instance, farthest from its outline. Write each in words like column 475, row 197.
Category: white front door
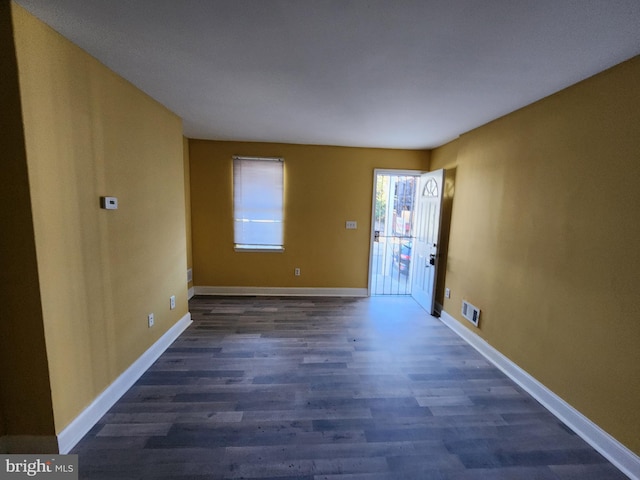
column 425, row 246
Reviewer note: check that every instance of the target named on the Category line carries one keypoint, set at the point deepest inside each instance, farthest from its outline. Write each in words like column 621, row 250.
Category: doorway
column 394, row 202
column 405, row 243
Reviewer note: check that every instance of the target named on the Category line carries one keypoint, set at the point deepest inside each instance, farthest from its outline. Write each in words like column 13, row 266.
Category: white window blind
column 258, row 191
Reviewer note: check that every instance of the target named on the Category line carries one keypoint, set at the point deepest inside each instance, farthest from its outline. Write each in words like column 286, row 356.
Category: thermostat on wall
column 109, row 203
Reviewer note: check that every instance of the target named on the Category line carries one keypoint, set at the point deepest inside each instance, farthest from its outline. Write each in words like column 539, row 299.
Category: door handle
column 376, row 236
column 432, row 259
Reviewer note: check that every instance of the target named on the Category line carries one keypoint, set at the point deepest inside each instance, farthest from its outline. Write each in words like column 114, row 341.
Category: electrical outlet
column 447, row 293
column 296, row 272
column 172, row 302
column 150, row 320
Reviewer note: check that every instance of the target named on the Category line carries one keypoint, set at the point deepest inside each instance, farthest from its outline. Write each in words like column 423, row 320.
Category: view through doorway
column 394, row 217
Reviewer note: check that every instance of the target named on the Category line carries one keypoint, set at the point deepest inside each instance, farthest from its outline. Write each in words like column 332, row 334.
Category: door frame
column 376, row 172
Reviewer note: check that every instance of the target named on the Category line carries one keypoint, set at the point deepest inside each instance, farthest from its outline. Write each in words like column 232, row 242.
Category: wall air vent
column 470, row 312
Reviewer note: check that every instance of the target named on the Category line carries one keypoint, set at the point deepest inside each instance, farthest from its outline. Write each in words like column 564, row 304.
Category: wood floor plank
column 328, row 388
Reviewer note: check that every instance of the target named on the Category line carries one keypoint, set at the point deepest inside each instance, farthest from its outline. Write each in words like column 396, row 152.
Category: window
column 258, row 188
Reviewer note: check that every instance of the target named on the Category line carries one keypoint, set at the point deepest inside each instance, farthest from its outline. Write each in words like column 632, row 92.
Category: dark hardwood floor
column 329, row 388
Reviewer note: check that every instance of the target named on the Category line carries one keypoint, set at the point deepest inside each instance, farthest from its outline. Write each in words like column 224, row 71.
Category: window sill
column 258, row 249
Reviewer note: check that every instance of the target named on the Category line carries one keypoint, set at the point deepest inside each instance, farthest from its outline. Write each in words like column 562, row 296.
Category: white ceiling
column 376, row 73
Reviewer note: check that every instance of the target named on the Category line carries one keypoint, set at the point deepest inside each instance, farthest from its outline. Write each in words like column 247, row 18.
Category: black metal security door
column 393, row 234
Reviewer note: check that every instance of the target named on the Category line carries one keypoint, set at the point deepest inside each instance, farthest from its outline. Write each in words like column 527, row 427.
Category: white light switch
column 351, row 225
column 109, row 203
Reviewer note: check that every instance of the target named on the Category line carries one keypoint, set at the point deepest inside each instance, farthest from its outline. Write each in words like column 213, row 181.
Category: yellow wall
column 25, row 396
column 544, row 239
column 90, row 133
column 324, row 187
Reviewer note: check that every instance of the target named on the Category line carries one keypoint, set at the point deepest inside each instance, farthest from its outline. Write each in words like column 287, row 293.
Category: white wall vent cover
column 189, row 275
column 470, row 312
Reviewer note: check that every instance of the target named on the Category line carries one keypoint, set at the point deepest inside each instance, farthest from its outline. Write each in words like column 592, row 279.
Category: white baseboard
column 283, row 291
column 28, row 444
column 79, row 427
column 619, row 455
column 190, row 293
